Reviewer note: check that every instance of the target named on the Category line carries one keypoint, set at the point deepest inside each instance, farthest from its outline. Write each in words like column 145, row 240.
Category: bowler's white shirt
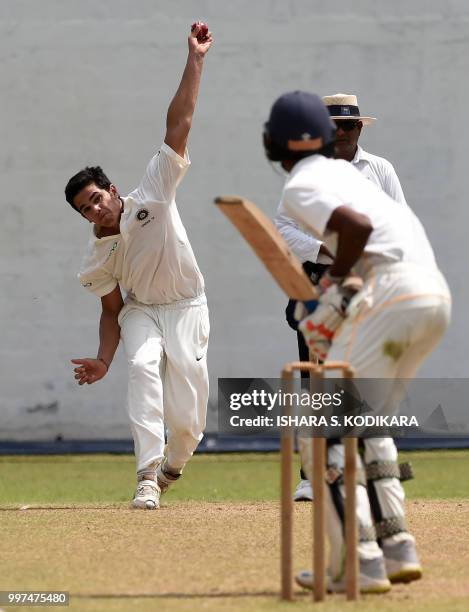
column 318, row 185
column 151, row 258
column 377, row 169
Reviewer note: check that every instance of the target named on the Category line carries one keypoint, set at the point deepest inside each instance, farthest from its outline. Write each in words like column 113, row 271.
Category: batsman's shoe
column 164, row 477
column 402, row 562
column 147, row 495
column 372, row 579
column 304, row 491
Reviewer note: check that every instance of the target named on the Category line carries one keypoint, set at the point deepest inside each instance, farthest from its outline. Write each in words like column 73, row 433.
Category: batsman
column 385, row 329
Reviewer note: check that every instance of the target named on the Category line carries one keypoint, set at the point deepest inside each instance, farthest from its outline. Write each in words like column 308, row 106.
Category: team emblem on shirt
column 142, row 214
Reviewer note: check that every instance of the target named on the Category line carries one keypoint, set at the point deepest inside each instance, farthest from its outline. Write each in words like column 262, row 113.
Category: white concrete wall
column 89, row 82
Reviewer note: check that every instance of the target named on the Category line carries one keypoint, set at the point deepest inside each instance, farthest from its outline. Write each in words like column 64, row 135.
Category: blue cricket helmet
column 299, row 125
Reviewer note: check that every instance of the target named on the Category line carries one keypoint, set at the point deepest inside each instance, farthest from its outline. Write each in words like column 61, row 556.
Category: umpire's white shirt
column 377, row 169
column 151, row 258
column 318, row 185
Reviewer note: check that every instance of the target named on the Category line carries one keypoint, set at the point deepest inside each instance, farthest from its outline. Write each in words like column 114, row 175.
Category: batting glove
column 320, row 327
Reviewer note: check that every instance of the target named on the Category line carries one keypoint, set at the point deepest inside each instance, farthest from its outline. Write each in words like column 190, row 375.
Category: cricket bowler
column 138, row 246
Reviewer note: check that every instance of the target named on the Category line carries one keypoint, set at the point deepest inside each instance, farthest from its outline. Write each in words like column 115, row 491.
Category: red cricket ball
column 202, row 35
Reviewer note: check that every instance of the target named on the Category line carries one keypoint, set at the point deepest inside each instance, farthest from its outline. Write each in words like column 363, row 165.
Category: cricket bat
column 259, row 231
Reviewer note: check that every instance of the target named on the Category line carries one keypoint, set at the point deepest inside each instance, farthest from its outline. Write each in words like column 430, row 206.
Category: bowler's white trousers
column 393, row 325
column 166, row 350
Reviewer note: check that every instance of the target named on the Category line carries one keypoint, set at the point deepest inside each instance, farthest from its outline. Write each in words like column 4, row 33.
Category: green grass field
column 214, row 543
column 230, row 477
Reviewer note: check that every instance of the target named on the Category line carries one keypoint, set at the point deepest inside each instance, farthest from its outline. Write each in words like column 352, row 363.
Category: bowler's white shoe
column 402, row 562
column 372, row 579
column 304, row 491
column 147, row 495
column 165, row 478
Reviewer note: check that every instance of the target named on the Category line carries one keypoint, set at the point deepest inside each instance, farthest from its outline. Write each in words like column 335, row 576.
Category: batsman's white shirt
column 377, row 169
column 318, row 185
column 151, row 258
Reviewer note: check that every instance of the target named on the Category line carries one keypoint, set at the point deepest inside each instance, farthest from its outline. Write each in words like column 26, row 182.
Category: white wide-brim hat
column 345, row 106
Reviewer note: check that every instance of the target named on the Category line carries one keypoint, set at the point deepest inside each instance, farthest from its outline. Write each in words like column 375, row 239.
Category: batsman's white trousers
column 166, row 350
column 394, row 323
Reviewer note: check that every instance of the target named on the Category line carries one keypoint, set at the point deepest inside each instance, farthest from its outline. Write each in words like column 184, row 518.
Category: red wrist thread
column 101, row 359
